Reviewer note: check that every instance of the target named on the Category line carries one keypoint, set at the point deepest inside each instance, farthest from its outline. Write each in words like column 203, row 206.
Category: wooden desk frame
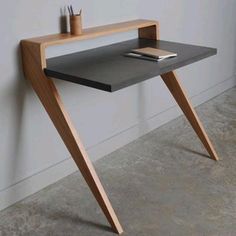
column 34, row 62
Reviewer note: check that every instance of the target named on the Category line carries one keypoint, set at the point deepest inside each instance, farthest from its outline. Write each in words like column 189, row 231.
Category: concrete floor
column 160, row 184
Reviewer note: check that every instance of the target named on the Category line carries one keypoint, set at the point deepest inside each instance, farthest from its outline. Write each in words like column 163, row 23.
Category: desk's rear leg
column 171, row 81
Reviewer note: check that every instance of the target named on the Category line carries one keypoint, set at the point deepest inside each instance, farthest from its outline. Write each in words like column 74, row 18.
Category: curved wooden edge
column 89, row 33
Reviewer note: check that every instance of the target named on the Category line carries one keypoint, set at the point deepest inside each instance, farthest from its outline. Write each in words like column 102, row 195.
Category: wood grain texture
column 150, row 32
column 94, row 32
column 34, row 62
column 171, row 81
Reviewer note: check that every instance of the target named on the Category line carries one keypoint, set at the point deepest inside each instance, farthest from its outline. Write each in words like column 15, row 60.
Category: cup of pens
column 75, row 21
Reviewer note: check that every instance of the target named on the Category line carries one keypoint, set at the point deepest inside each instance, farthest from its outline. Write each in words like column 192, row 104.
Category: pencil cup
column 76, row 24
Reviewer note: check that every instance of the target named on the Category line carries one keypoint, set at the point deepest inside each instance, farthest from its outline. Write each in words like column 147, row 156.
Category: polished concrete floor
column 161, row 184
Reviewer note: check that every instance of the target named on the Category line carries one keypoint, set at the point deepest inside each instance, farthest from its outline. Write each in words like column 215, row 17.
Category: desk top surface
column 106, row 68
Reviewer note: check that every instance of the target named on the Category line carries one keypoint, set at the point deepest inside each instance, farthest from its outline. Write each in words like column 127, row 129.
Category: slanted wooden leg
column 178, row 93
column 63, row 124
column 47, row 93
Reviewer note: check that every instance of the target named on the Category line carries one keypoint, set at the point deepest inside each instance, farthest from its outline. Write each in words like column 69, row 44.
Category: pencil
column 71, row 8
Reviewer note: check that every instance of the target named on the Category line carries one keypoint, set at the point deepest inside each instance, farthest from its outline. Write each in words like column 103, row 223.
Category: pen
column 71, row 8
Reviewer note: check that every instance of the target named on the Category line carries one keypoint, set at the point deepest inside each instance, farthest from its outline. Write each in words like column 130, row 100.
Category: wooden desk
column 106, row 68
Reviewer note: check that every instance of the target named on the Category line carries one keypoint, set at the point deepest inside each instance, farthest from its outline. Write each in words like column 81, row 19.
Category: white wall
column 32, row 154
column 205, row 22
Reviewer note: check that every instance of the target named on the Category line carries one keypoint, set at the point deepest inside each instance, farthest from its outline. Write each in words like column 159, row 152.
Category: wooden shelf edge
column 89, row 33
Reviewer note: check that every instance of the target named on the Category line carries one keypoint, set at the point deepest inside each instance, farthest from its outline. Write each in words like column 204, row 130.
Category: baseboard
column 34, row 183
column 58, row 171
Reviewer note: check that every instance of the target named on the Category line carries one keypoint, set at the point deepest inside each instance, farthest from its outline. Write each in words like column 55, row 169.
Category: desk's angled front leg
column 34, row 62
column 178, row 93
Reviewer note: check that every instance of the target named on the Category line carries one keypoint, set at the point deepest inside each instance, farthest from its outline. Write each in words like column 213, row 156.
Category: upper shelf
column 94, row 32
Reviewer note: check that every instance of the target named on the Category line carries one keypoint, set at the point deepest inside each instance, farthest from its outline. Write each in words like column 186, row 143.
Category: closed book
column 154, row 53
